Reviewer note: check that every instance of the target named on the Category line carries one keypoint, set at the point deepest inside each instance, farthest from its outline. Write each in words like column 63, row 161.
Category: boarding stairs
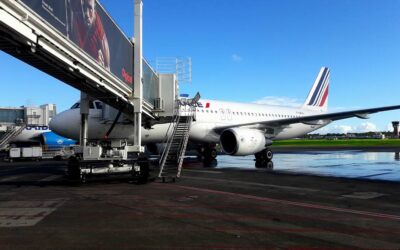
column 171, row 159
column 9, row 135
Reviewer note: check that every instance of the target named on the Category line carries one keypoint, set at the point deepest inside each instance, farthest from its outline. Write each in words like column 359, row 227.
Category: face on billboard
column 87, row 25
column 89, row 12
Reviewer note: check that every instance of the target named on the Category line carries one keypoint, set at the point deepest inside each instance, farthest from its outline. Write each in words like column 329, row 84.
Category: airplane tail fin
column 317, row 99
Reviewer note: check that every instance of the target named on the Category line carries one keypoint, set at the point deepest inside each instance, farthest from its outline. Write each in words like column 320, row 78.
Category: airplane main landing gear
column 264, row 159
column 208, row 153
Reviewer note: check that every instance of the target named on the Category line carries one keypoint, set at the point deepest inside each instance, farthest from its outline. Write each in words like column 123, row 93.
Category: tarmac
column 216, row 208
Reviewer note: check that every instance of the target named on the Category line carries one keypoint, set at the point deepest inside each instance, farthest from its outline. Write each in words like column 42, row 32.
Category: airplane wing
column 312, row 119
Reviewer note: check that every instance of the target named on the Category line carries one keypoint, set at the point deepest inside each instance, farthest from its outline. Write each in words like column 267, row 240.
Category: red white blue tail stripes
column 318, row 96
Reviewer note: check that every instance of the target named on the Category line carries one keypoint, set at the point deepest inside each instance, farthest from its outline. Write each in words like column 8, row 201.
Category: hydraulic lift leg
column 84, row 108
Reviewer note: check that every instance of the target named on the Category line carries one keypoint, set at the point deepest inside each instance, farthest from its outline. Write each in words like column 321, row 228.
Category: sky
column 264, row 51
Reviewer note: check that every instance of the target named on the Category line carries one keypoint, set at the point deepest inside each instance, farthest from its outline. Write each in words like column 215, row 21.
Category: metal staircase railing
column 9, row 135
column 172, row 157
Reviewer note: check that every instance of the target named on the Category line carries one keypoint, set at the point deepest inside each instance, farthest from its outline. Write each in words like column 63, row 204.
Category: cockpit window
column 76, row 105
column 98, row 105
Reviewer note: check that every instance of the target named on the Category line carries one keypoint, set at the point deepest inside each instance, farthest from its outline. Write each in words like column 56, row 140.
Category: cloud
column 335, row 129
column 236, row 58
column 366, row 127
column 344, row 129
column 279, row 101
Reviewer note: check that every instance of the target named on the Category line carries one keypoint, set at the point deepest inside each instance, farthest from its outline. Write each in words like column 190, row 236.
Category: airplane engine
column 243, row 141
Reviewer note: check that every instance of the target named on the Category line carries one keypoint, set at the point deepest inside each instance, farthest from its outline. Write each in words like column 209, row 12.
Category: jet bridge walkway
column 26, row 36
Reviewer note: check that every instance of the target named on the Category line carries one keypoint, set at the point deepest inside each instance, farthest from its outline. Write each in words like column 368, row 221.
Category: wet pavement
column 348, row 164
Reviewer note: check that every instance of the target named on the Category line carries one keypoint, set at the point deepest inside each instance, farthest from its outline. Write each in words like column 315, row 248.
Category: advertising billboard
column 86, row 23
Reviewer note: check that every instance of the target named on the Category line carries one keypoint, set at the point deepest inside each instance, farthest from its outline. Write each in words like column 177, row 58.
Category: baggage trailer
column 32, row 153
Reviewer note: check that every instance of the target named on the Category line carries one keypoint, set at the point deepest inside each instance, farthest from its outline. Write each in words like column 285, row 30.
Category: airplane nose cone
column 66, row 124
column 55, row 124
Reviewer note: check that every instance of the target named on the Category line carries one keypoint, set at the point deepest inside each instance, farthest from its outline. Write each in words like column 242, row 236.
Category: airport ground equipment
column 25, row 153
column 171, row 159
column 10, row 134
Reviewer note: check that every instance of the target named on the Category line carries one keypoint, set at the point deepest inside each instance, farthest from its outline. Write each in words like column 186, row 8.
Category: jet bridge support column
column 84, row 109
column 137, row 97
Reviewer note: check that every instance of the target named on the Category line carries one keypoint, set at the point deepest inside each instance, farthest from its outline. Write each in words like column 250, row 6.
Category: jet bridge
column 93, row 56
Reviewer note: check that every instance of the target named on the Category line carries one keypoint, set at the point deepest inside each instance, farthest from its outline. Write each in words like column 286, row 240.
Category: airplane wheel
column 209, row 154
column 270, row 164
column 268, row 154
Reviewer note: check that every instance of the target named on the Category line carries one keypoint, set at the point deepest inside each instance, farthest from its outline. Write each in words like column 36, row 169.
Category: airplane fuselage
column 209, row 114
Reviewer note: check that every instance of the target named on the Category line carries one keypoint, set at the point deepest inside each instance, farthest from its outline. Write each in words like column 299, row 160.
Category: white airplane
column 240, row 128
column 31, row 134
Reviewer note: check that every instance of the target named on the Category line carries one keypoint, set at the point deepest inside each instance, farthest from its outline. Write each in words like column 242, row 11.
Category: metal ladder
column 9, row 135
column 172, row 158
